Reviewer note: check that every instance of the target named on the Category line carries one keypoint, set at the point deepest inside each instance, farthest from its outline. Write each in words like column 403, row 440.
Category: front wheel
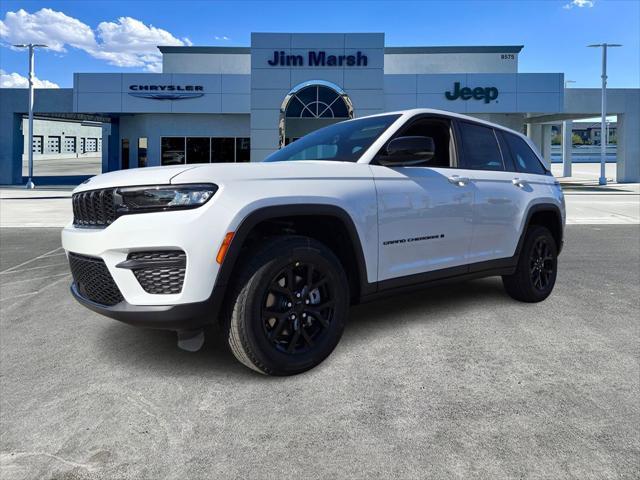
column 535, row 275
column 289, row 306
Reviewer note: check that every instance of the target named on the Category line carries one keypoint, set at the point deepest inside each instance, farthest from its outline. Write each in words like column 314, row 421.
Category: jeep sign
column 479, row 93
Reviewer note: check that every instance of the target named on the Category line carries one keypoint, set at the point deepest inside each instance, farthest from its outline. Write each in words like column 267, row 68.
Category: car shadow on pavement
column 157, row 349
column 423, row 305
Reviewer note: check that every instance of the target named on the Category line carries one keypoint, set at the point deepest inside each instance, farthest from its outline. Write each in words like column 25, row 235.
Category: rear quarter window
column 525, row 160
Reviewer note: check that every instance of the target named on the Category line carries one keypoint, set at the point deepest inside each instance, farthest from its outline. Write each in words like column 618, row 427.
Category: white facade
column 239, row 95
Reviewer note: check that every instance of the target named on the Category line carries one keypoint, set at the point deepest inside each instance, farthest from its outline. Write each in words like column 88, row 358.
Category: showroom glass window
column 480, row 149
column 179, row 150
column 223, row 150
column 172, row 150
column 243, row 150
column 198, row 149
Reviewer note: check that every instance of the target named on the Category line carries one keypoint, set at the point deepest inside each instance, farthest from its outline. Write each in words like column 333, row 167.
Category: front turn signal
column 224, row 248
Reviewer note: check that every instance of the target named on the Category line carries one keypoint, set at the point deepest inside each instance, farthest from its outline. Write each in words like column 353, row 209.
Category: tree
column 576, row 139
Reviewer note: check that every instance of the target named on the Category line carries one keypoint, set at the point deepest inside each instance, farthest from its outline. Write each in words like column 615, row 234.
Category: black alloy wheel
column 537, row 268
column 288, row 306
column 297, row 308
column 541, row 264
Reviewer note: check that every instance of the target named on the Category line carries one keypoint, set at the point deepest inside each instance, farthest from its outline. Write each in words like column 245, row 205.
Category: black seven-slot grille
column 93, row 280
column 158, row 272
column 94, row 208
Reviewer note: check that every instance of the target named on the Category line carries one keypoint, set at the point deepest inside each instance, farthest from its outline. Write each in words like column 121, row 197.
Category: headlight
column 162, row 197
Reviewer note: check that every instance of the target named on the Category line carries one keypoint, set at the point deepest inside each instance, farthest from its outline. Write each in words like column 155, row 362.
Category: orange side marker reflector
column 224, row 247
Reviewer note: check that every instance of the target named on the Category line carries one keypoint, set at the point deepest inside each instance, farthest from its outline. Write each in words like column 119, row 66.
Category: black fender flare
column 536, row 208
column 289, row 210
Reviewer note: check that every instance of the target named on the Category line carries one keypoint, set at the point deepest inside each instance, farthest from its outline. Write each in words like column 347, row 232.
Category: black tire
column 535, row 275
column 261, row 330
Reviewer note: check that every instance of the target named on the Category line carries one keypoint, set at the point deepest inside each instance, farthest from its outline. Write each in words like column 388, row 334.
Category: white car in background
column 278, row 250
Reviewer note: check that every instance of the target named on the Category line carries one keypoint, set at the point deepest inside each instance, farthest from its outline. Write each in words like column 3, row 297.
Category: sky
column 121, row 36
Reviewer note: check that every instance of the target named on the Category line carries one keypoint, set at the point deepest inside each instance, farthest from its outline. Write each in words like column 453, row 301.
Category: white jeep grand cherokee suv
column 277, row 250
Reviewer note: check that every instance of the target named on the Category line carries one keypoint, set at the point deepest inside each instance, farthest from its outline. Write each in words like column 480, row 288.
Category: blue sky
column 116, row 36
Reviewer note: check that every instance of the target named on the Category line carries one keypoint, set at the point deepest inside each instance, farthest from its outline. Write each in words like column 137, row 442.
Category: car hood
column 134, row 176
column 225, row 173
column 294, row 170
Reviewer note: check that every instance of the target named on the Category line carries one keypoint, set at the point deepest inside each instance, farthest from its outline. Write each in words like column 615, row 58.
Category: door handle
column 458, row 180
column 519, row 183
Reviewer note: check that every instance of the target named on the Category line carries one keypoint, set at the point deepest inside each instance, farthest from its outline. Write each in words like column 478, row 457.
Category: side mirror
column 408, row 151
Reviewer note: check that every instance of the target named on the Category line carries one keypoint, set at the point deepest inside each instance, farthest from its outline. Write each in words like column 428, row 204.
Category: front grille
column 94, row 208
column 166, row 277
column 93, row 280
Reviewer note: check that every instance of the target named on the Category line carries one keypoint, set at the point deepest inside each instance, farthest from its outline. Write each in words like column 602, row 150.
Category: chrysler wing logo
column 166, row 92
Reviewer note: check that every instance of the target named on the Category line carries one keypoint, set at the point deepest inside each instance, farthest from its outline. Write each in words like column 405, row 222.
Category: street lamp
column 603, row 119
column 31, row 47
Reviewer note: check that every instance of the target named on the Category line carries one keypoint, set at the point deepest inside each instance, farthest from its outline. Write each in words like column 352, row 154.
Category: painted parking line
column 13, row 282
column 10, row 269
column 27, row 294
column 33, row 268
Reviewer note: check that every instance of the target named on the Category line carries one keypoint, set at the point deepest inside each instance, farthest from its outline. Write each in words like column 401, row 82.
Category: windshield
column 340, row 142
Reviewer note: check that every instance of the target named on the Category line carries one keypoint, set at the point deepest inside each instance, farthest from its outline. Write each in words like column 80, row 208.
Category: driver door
column 424, row 211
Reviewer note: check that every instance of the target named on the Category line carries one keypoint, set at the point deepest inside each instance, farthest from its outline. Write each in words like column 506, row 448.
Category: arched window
column 310, row 106
column 317, row 101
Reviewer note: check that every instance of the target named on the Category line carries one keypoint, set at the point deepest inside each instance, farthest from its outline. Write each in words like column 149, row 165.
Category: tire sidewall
column 266, row 355
column 538, row 233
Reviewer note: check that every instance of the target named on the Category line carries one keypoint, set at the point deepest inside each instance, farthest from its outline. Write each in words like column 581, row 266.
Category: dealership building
column 237, row 104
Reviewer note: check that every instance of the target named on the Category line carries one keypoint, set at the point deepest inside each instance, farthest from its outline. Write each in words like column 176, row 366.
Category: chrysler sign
column 166, row 92
column 317, row 59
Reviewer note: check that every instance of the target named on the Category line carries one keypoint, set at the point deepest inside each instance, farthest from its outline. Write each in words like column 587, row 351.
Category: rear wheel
column 537, row 268
column 289, row 306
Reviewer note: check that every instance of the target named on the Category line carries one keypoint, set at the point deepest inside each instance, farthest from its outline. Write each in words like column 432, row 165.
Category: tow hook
column 190, row 340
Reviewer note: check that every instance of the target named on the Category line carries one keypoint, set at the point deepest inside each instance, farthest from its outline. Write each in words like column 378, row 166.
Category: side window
column 439, row 130
column 526, row 161
column 507, row 158
column 479, row 148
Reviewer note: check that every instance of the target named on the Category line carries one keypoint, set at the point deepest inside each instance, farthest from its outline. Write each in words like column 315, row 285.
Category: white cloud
column 46, row 26
column 15, row 80
column 579, row 4
column 127, row 42
column 222, row 38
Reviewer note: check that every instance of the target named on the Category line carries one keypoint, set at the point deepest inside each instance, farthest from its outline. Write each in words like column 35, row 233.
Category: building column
column 546, row 144
column 628, row 147
column 111, row 159
column 534, row 132
column 567, row 145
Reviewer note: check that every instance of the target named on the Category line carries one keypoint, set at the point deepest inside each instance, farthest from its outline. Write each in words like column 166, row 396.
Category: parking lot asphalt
column 453, row 382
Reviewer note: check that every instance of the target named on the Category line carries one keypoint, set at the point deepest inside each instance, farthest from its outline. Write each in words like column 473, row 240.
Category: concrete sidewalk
column 587, row 202
column 46, row 207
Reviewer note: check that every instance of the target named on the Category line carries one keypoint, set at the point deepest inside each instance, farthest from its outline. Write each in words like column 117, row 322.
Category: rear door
column 501, row 194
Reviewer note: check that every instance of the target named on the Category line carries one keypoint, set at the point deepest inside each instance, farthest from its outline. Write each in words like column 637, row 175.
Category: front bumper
column 198, row 233
column 190, row 231
column 185, row 316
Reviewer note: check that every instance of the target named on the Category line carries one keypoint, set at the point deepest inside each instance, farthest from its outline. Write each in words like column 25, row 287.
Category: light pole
column 31, row 47
column 603, row 119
